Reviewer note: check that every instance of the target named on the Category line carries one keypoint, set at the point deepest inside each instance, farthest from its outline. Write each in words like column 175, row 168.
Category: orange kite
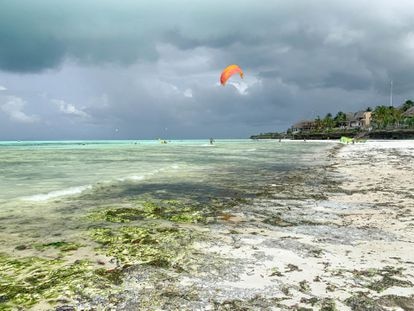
column 228, row 72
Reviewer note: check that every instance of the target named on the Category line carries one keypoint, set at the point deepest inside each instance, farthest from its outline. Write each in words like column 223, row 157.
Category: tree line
column 382, row 117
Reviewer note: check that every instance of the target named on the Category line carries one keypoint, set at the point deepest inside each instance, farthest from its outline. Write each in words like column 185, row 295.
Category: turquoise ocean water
column 46, row 186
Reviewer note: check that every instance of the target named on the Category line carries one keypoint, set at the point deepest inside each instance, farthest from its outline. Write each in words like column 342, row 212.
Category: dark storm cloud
column 144, row 66
column 307, row 42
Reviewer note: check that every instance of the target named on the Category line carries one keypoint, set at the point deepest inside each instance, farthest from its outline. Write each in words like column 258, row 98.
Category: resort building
column 303, row 126
column 360, row 119
column 409, row 112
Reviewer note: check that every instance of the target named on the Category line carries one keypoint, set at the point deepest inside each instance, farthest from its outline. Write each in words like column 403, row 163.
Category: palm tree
column 381, row 116
column 318, row 123
column 409, row 121
column 396, row 116
column 339, row 119
column 328, row 122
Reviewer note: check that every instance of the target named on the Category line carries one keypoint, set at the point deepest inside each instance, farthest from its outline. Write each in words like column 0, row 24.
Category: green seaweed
column 361, row 302
column 157, row 246
column 275, row 272
column 61, row 245
column 387, row 282
column 405, row 303
column 26, row 281
column 386, row 278
column 328, row 305
column 312, row 301
column 304, row 286
column 171, row 210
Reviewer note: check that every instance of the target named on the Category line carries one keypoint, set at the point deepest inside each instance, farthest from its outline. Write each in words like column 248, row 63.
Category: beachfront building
column 409, row 113
column 408, row 117
column 360, row 119
column 303, row 126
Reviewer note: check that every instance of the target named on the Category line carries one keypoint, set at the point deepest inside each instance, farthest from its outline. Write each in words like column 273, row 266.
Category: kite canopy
column 228, row 72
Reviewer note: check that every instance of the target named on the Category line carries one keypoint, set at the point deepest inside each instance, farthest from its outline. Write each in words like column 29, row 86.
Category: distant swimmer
column 211, row 141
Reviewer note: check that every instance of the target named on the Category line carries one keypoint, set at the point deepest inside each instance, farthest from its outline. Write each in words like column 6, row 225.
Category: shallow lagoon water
column 46, row 186
column 38, row 171
column 48, row 189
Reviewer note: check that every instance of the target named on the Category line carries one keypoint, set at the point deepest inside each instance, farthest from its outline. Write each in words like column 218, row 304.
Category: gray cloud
column 142, row 67
column 69, row 109
column 13, row 107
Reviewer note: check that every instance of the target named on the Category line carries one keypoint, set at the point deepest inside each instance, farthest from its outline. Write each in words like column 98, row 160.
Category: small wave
column 133, row 178
column 56, row 194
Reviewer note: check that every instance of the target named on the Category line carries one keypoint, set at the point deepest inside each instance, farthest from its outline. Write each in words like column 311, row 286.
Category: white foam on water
column 133, row 178
column 56, row 194
column 144, row 176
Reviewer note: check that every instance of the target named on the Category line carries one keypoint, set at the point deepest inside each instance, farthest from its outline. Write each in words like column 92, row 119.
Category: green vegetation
column 328, row 305
column 26, row 281
column 171, row 210
column 381, row 118
column 304, row 286
column 60, row 245
column 381, row 279
column 156, row 246
column 361, row 302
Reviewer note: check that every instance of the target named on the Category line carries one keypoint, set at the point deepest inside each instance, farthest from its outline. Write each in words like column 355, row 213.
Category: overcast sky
column 136, row 69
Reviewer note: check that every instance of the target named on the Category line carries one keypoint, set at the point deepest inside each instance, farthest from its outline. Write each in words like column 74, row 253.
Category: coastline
column 334, row 235
column 342, row 243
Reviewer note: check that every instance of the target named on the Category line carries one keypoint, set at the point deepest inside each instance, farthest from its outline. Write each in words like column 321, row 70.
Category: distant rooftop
column 409, row 112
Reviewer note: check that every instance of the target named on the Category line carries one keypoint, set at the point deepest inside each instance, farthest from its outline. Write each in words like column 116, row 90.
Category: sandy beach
column 350, row 249
column 341, row 239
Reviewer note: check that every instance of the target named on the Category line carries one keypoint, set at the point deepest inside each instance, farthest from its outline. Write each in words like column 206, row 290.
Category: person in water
column 211, row 141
